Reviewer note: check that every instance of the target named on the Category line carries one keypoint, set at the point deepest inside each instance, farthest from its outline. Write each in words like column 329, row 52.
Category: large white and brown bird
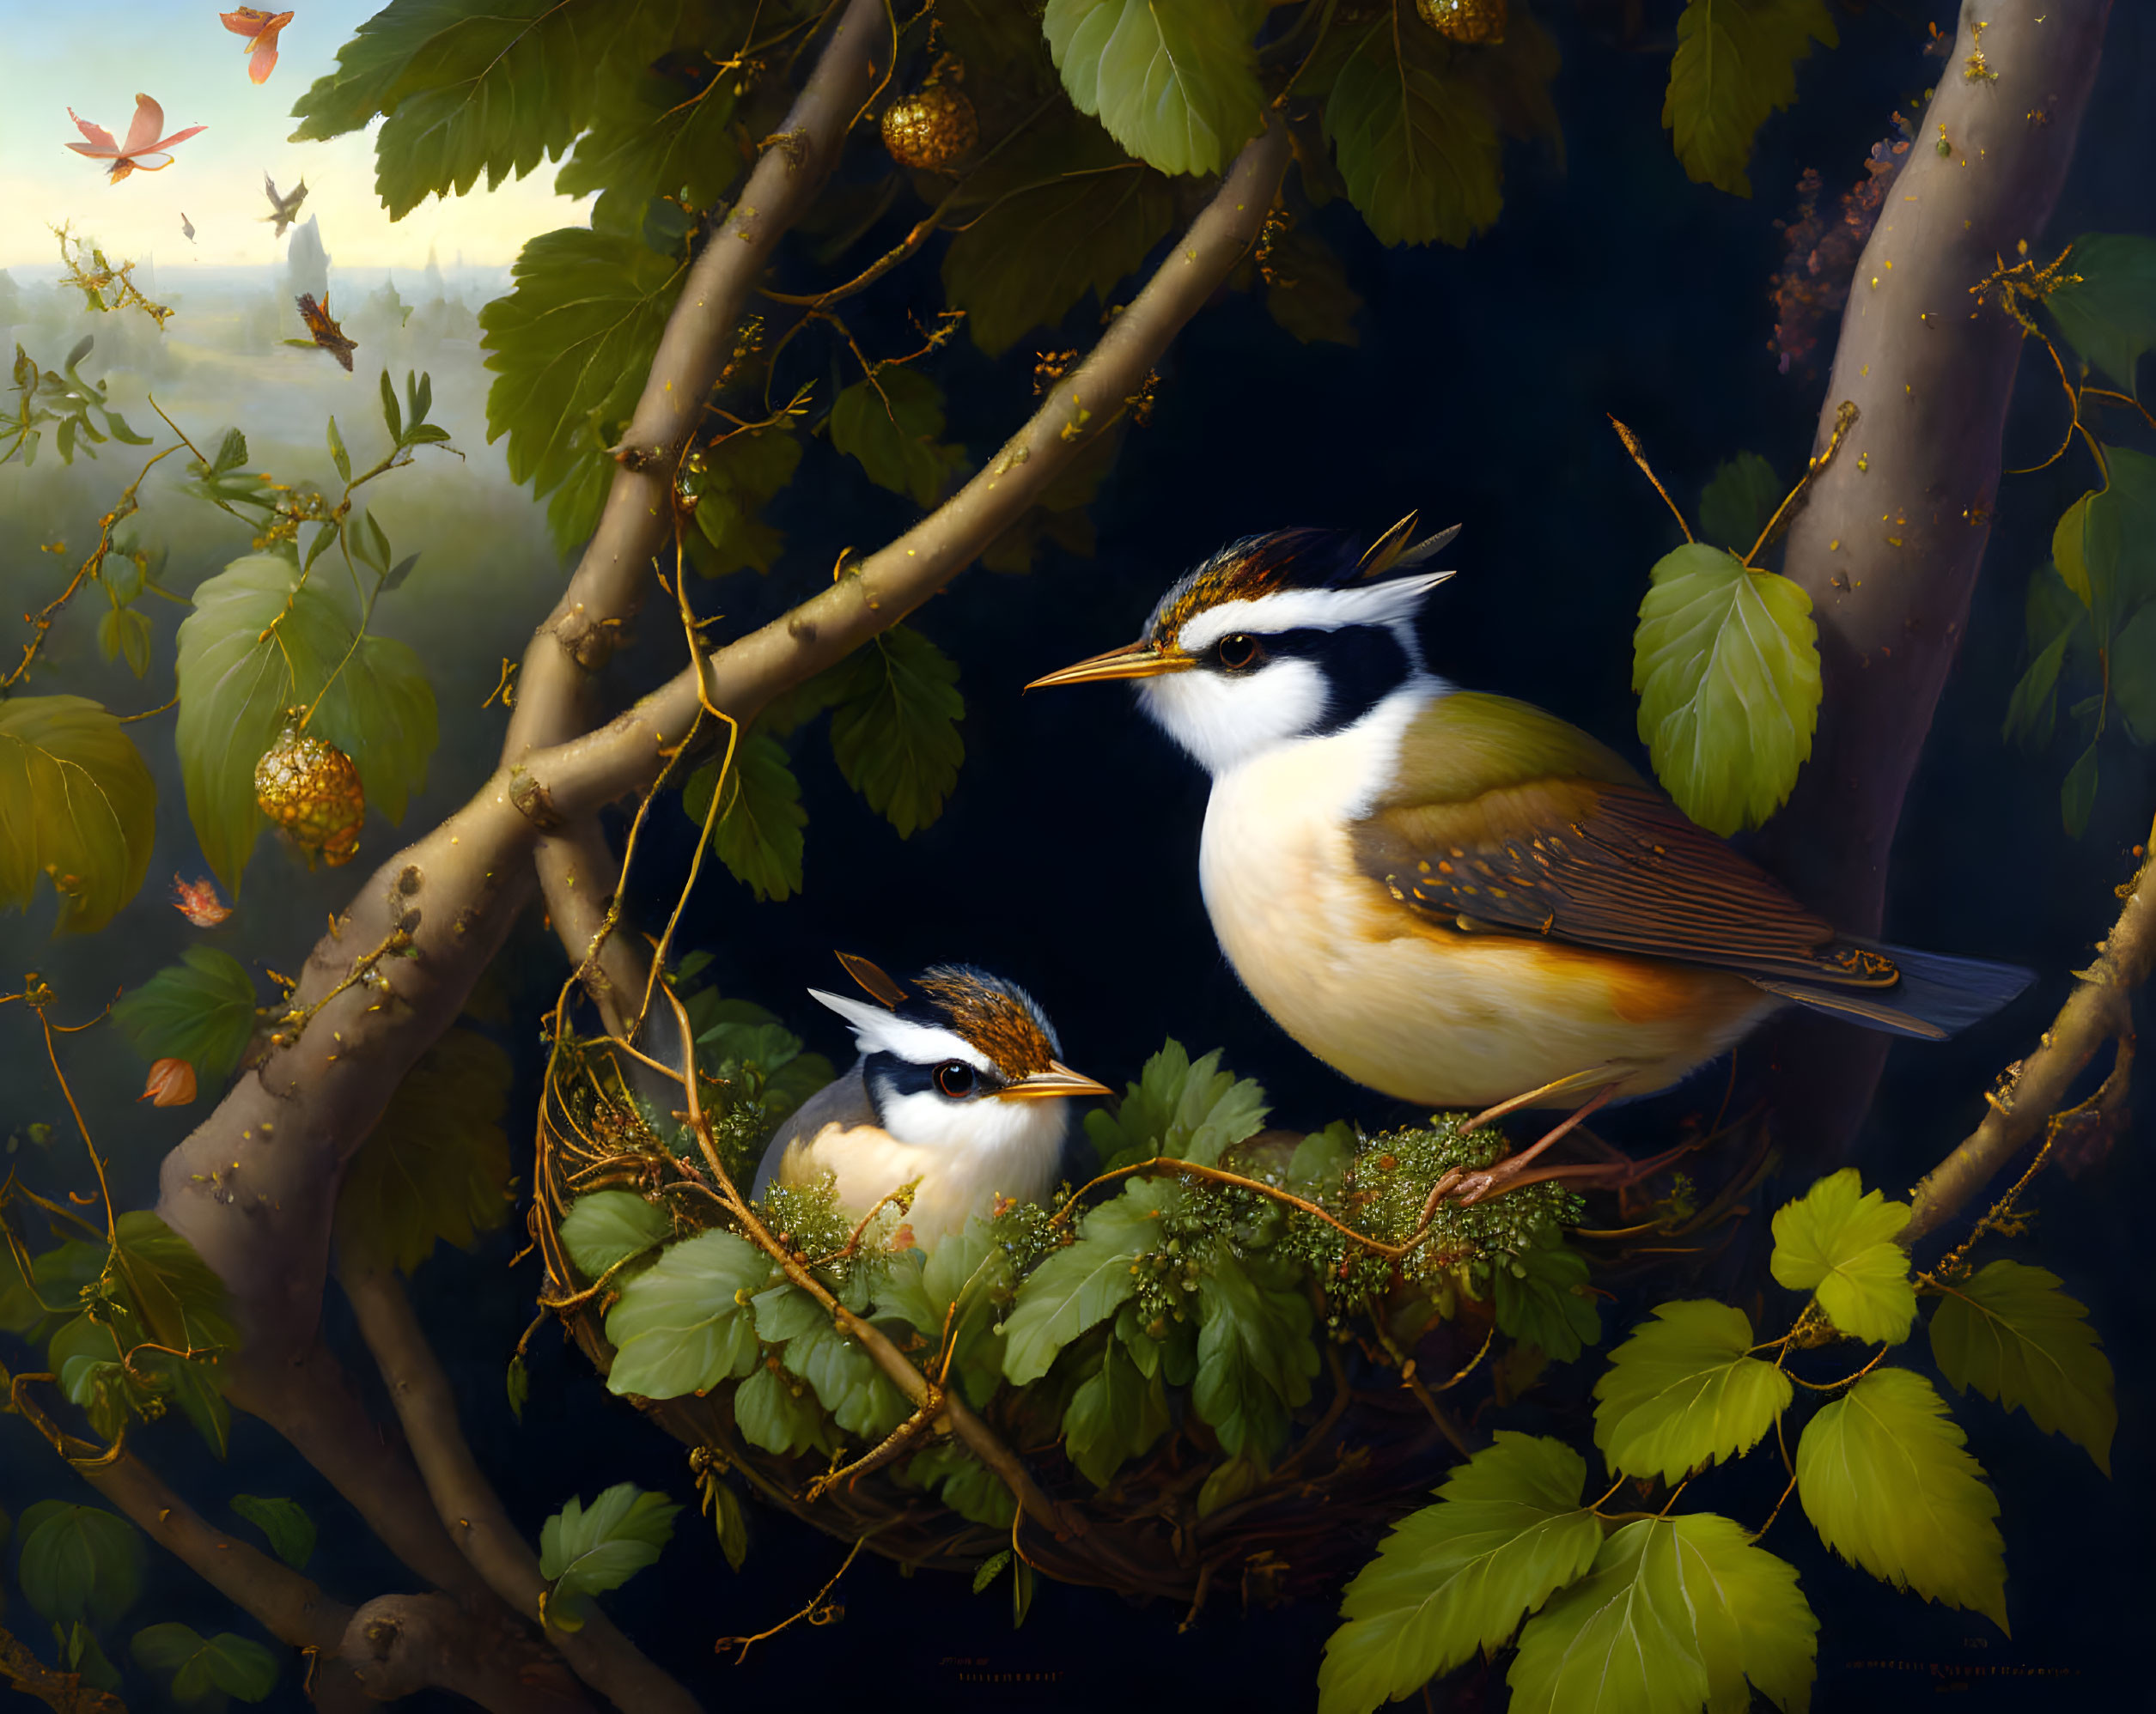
column 1457, row 898
column 959, row 1091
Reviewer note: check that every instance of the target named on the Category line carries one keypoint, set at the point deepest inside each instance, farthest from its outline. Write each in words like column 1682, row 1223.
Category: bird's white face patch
column 925, row 1119
column 879, row 1031
column 1225, row 719
column 1395, row 602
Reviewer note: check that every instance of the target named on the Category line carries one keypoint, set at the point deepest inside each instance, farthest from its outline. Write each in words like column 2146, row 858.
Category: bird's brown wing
column 1594, row 857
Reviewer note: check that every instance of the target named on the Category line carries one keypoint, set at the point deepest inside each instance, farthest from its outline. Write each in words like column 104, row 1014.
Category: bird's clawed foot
column 1468, row 1187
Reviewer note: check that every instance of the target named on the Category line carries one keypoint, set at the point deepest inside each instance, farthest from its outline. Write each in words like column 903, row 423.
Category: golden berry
column 1480, row 23
column 930, row 128
column 311, row 790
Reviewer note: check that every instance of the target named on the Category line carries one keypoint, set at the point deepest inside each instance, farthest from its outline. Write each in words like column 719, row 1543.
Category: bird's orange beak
column 1133, row 661
column 1057, row 1083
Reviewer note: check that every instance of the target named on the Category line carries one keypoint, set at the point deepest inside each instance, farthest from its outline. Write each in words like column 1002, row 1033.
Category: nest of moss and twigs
column 1222, row 1365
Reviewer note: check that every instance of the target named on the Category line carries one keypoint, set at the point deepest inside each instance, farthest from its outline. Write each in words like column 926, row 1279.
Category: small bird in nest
column 1457, row 898
column 959, row 1091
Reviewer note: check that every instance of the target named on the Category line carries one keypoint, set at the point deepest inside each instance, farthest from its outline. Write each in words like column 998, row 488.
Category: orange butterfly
column 198, row 901
column 261, row 29
column 144, row 150
column 327, row 334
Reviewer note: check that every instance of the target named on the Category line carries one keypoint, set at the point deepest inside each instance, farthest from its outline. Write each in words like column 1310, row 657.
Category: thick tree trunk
column 1891, row 539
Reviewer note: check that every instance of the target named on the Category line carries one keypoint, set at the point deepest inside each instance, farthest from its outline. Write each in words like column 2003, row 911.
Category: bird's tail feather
column 1936, row 997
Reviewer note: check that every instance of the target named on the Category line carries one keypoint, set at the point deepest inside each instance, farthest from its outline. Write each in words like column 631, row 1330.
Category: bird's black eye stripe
column 1239, row 652
column 955, row 1079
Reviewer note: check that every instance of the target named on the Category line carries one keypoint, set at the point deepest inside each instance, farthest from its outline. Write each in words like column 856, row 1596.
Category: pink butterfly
column 262, row 28
column 143, row 149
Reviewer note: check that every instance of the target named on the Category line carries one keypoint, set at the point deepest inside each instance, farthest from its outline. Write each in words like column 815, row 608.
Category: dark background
column 1067, row 860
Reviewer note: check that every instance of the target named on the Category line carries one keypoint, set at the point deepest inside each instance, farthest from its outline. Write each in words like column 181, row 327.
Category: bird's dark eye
column 1239, row 652
column 955, row 1079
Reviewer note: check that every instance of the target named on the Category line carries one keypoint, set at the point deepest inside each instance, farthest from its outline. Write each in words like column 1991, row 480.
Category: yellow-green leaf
column 1679, row 1613
column 681, row 1326
column 1726, row 665
column 200, row 1010
column 1507, row 1530
column 1415, row 141
column 1684, row 1390
column 2008, row 1331
column 77, row 805
column 1883, row 1477
column 437, row 1166
column 1176, row 85
column 1736, row 62
column 2110, row 315
column 1838, row 1241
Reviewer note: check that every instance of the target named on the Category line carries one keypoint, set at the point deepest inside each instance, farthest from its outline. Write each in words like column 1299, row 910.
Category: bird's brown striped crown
column 998, row 1018
column 1256, row 566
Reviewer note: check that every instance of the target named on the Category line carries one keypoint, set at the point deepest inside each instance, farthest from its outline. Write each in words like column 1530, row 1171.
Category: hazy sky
column 96, row 58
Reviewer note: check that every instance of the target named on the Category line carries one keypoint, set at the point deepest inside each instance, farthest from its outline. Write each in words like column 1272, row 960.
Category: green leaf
column 1838, row 1241
column 285, row 1522
column 860, row 1399
column 1255, row 1354
column 609, row 1226
column 261, row 639
column 1195, row 1111
column 655, row 141
column 777, row 1412
column 732, row 1527
column 2133, row 665
column 570, row 347
column 1507, row 1531
column 1677, row 1614
column 1736, row 62
column 470, row 89
column 1541, row 1296
column 199, row 1670
column 960, row 1286
column 1725, row 664
column 517, row 1384
column 79, row 1562
column 966, row 1485
column 2008, row 1331
column 83, row 1655
column 894, row 731
column 889, row 423
column 83, row 808
column 435, row 1169
column 1071, row 220
column 1883, row 1477
column 338, row 456
column 784, row 1310
column 1416, row 143
column 1684, row 1391
column 2077, row 796
column 1116, row 1413
column 2032, row 710
column 1085, row 1281
column 1231, row 1481
column 2104, row 544
column 730, row 482
column 679, row 1326
column 124, row 631
column 588, row 1553
column 758, row 832
column 986, row 1572
column 1309, row 295
column 1737, row 501
column 200, row 1010
column 1177, row 86
column 2110, row 318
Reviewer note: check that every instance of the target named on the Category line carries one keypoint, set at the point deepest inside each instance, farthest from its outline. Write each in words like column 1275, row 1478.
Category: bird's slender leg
column 1593, row 1075
column 1475, row 1187
column 1595, row 1174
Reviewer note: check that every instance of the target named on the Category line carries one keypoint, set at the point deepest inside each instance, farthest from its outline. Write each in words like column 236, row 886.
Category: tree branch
column 1892, row 536
column 469, row 1508
column 611, row 579
column 578, row 777
column 2098, row 1010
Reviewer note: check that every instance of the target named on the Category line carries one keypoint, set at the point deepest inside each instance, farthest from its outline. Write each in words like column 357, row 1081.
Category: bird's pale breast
column 1372, row 987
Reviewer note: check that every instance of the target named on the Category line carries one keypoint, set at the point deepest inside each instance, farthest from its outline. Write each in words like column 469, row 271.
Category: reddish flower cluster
column 1821, row 259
